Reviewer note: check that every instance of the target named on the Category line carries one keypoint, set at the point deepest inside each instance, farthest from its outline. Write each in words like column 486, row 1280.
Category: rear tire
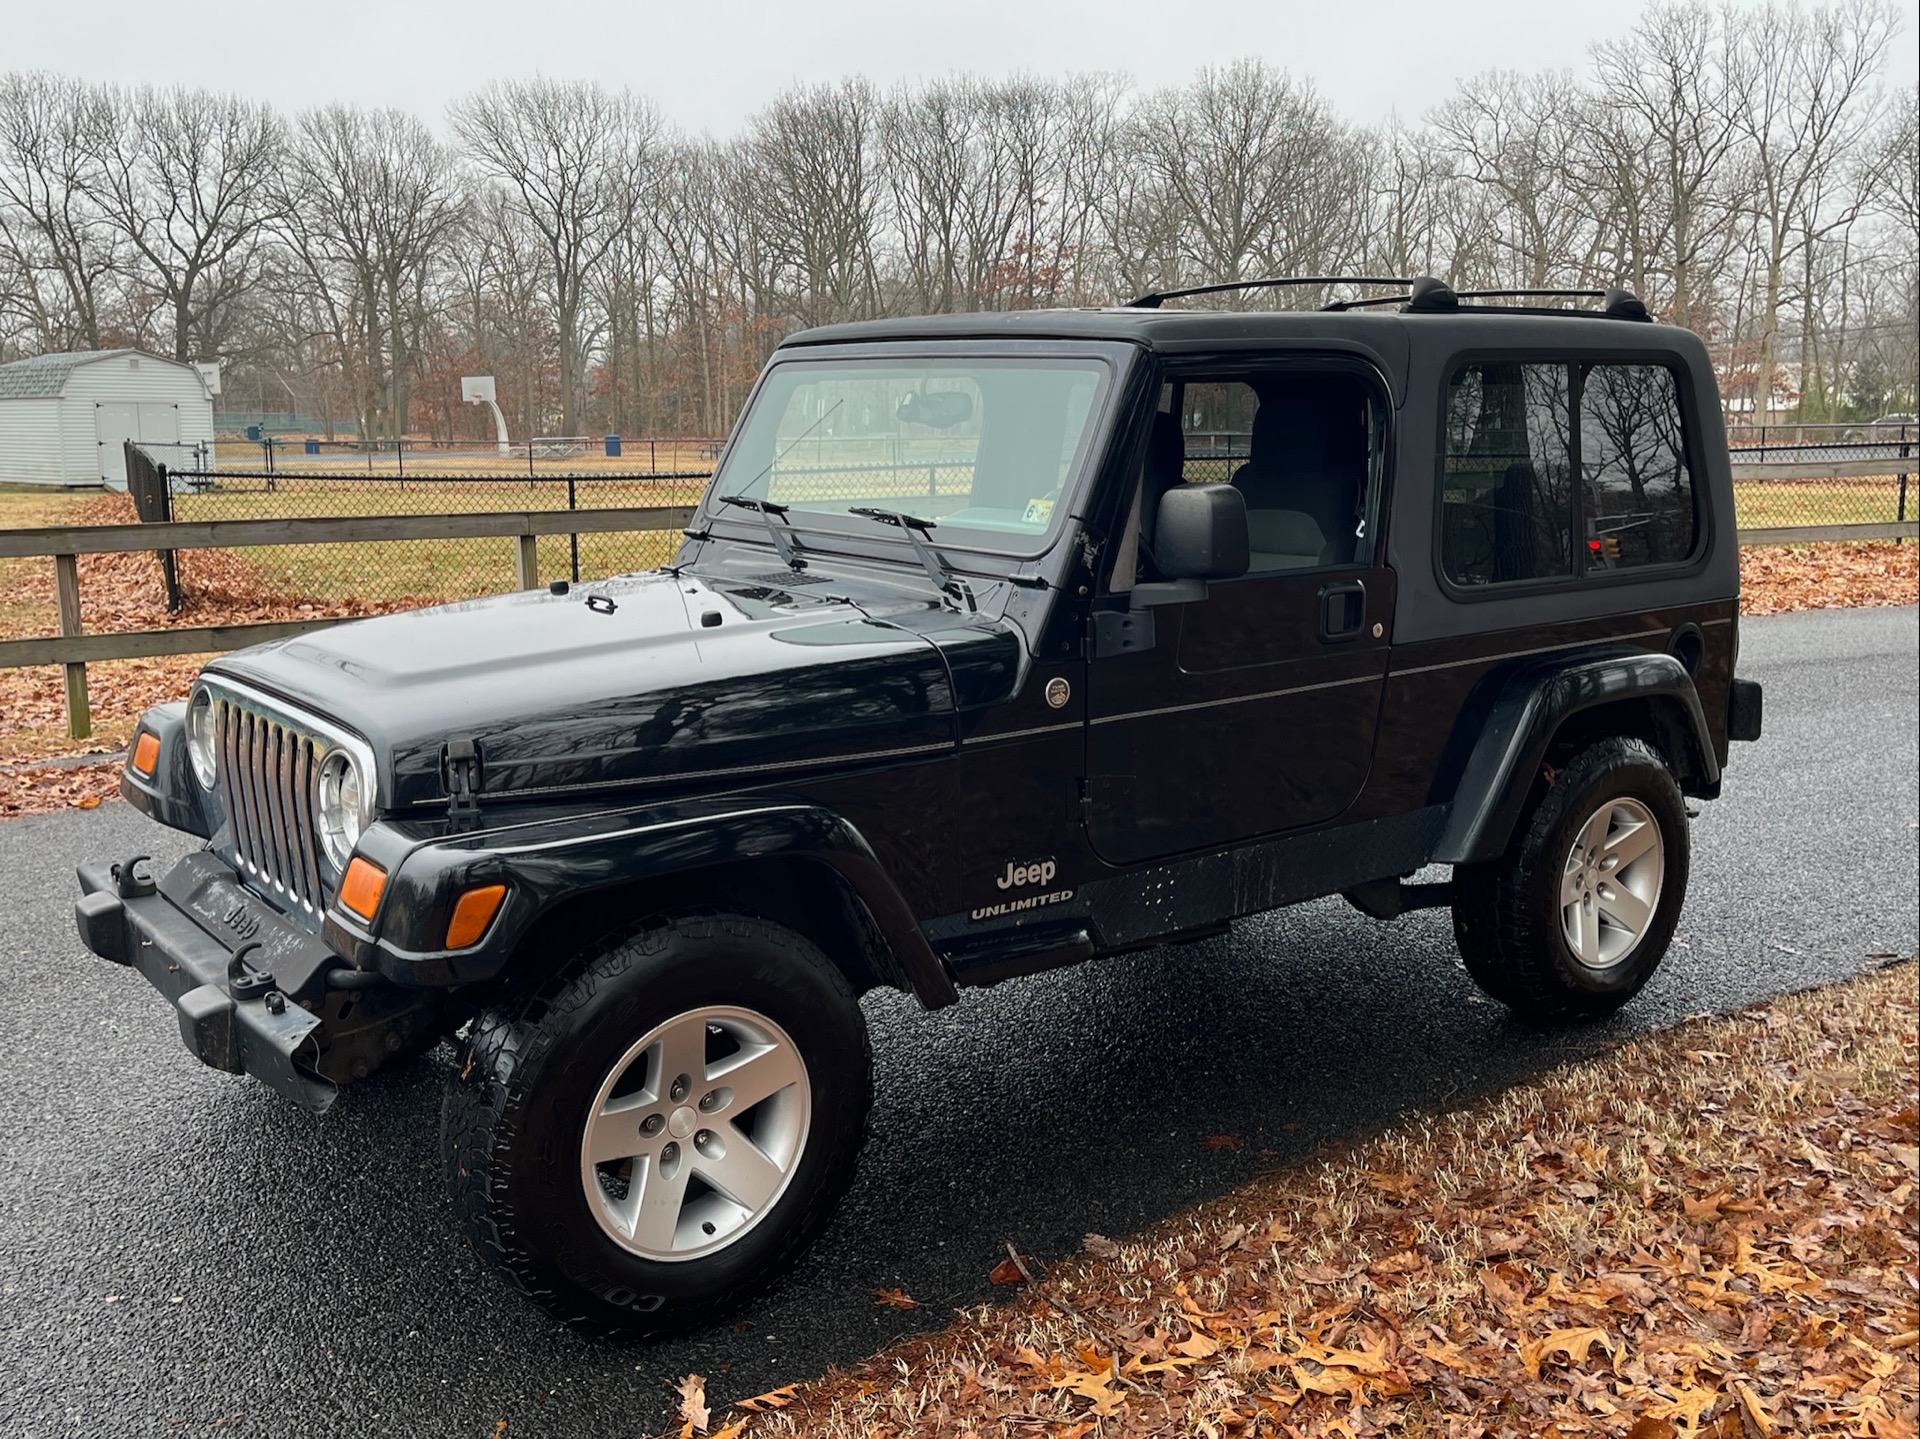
column 608, row 1142
column 1573, row 920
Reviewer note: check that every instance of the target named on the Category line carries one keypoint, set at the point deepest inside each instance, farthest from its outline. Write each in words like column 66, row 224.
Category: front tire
column 1574, row 919
column 665, row 1127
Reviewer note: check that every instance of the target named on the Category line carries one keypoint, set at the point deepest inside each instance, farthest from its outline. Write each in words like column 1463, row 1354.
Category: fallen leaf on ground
column 694, row 1413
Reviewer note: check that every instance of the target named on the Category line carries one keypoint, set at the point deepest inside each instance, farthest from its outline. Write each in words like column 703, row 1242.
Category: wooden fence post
column 526, row 561
column 66, row 584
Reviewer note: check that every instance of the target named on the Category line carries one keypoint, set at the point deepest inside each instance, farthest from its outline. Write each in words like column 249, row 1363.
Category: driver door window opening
column 1304, row 448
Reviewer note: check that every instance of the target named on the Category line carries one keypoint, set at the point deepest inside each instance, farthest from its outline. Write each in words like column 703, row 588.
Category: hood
column 645, row 681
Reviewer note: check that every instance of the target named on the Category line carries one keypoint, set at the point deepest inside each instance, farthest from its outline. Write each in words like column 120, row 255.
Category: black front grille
column 269, row 774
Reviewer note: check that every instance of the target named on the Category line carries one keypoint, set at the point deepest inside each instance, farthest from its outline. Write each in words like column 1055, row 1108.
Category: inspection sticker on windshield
column 1038, row 512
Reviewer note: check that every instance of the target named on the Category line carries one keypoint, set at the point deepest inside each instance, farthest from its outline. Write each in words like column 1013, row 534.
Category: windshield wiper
column 788, row 547
column 938, row 570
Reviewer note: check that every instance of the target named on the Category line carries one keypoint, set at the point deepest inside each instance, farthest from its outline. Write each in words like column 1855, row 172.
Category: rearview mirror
column 938, row 409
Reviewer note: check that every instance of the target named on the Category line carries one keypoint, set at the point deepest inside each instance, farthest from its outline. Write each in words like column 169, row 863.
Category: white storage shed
column 64, row 418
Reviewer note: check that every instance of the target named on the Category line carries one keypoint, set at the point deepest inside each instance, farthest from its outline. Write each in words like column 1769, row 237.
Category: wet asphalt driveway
column 179, row 1250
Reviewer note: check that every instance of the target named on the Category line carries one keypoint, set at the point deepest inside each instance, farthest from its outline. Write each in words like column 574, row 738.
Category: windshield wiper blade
column 938, row 570
column 785, row 543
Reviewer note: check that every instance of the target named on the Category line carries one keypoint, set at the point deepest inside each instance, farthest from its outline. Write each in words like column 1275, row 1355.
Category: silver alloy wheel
column 695, row 1133
column 1610, row 887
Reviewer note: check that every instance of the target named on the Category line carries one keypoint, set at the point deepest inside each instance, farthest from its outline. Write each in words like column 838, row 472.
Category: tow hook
column 128, row 882
column 244, row 982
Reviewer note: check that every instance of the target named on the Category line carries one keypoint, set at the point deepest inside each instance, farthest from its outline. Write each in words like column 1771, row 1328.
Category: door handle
column 1343, row 610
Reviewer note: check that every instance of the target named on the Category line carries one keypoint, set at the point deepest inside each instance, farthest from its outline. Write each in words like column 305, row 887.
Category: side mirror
column 1200, row 534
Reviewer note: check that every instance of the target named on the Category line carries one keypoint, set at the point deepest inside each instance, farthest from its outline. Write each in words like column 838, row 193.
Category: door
column 1252, row 711
column 113, row 426
column 160, row 425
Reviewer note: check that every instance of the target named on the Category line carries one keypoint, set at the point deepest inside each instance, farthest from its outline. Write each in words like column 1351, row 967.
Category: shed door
column 160, row 424
column 113, row 426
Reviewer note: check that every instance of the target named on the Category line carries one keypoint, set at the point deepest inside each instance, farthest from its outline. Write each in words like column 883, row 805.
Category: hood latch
column 461, row 777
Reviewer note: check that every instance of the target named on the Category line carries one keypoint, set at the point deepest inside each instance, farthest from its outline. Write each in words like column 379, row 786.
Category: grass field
column 1760, row 504
column 435, row 569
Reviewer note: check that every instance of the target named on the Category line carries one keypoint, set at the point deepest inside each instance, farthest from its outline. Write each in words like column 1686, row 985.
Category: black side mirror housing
column 1200, row 534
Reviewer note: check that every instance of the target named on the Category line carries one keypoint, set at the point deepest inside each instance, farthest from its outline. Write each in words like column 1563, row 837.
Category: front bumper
column 237, row 973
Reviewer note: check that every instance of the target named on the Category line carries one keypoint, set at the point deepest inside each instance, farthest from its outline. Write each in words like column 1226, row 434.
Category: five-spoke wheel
column 695, row 1132
column 1611, row 884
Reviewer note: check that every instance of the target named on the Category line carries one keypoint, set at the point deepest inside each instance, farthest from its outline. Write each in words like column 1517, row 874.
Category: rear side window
column 1509, row 477
column 1519, row 435
column 1634, row 483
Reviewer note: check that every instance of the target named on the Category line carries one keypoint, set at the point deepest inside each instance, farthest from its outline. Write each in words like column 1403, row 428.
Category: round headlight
column 200, row 737
column 343, row 796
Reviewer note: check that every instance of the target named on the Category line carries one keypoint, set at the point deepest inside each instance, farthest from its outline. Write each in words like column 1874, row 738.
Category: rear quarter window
column 1557, row 471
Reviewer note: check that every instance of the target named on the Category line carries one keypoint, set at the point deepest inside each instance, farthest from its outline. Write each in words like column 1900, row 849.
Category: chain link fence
column 1879, row 459
column 426, row 569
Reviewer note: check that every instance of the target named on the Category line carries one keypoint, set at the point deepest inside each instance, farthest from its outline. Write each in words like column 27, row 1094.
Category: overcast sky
column 710, row 63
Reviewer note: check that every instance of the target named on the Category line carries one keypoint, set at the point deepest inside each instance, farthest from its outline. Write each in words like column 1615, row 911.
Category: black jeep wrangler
column 998, row 643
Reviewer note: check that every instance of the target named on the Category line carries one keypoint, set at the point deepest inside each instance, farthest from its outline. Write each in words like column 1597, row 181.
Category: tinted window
column 1508, row 494
column 1636, row 490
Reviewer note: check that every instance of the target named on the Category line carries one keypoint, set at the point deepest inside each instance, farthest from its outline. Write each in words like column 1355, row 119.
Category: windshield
column 984, row 449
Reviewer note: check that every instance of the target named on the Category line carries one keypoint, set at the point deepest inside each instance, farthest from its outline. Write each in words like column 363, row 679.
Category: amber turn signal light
column 360, row 891
column 473, row 914
column 146, row 752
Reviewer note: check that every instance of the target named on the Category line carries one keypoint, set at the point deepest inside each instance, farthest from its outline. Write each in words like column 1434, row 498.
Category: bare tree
column 1260, row 171
column 812, row 160
column 1802, row 93
column 370, row 208
column 187, row 180
column 556, row 149
column 1669, row 82
column 51, row 133
column 1514, row 135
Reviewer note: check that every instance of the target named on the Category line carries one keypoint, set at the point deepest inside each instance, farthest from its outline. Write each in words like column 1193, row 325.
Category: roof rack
column 1153, row 298
column 1430, row 296
column 1425, row 295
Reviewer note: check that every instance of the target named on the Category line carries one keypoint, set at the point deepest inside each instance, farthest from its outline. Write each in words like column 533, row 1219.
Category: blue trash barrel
column 313, row 447
column 613, row 447
column 253, row 433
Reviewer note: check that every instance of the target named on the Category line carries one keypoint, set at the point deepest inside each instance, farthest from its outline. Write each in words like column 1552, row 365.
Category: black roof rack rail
column 1432, row 296
column 1153, row 299
column 1425, row 295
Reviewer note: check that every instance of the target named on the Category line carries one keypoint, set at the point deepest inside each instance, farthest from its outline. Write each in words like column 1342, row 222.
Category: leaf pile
column 1775, row 578
column 1710, row 1231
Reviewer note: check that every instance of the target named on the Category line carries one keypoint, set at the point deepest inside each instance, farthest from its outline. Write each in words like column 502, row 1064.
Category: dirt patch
column 1710, row 1231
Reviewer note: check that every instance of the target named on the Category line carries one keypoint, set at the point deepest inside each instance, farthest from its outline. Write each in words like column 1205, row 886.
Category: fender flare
column 1526, row 713
column 545, row 862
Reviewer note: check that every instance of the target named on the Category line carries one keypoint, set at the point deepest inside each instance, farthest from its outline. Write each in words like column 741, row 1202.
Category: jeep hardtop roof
column 1188, row 329
column 1432, row 312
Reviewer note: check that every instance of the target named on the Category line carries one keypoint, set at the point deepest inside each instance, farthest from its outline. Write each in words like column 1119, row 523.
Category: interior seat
column 1304, row 474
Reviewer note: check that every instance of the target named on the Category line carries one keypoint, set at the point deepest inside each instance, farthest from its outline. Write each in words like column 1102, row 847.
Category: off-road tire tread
column 1496, row 924
column 481, row 1107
